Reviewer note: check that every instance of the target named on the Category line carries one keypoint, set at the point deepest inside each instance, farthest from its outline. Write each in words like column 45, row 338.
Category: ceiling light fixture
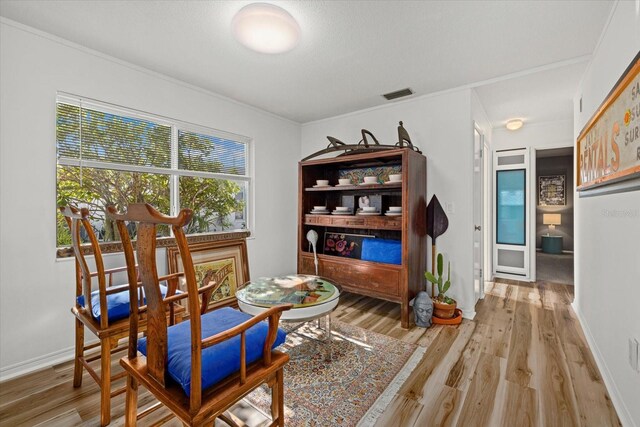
column 514, row 124
column 265, row 28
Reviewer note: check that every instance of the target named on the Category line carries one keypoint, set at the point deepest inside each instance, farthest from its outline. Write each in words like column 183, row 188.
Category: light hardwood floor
column 523, row 361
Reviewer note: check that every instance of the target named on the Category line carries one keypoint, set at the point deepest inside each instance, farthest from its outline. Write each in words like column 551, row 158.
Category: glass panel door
column 511, row 207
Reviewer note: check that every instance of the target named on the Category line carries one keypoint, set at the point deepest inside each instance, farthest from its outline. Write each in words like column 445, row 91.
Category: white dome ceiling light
column 514, row 124
column 265, row 28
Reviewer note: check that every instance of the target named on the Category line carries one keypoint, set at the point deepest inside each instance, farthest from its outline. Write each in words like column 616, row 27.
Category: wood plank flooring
column 523, row 361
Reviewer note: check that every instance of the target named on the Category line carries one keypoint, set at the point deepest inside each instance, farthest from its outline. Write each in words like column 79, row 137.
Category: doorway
column 554, row 215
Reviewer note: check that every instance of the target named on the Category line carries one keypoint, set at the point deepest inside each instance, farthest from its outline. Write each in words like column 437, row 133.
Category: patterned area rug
column 339, row 392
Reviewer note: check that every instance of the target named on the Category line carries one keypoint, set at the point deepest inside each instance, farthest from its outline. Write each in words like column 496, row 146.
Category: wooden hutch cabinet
column 392, row 282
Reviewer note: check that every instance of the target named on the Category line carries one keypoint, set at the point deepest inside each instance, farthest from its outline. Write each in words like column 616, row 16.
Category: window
column 109, row 155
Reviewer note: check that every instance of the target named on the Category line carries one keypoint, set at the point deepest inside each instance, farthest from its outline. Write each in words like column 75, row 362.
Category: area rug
column 555, row 268
column 366, row 368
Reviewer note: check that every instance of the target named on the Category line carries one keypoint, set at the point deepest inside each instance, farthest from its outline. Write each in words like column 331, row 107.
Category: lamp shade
column 551, row 219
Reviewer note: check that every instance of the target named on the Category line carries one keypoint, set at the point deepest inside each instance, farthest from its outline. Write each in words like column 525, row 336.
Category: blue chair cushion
column 382, row 250
column 117, row 303
column 220, row 360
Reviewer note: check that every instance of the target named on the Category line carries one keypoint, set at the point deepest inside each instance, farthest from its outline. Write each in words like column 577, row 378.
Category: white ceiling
column 543, row 96
column 350, row 53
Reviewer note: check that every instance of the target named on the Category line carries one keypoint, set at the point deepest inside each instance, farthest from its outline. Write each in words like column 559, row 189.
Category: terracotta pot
column 443, row 311
column 455, row 320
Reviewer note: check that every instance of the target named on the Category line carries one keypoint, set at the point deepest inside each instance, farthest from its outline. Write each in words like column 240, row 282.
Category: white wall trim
column 614, row 393
column 470, row 315
column 135, row 67
column 36, row 363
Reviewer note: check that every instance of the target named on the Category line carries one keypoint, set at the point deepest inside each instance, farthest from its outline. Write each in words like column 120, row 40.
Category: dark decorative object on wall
column 437, row 224
column 552, row 190
column 344, row 245
column 364, row 146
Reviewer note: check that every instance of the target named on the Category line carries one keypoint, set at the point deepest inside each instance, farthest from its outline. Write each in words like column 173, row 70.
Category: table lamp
column 551, row 220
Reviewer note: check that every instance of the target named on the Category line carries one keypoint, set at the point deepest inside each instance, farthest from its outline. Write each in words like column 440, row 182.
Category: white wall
column 608, row 232
column 441, row 127
column 36, row 291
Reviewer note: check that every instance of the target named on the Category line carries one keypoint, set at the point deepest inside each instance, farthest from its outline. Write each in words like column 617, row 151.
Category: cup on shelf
column 322, row 182
column 395, row 177
column 395, row 208
column 344, row 181
column 342, row 208
column 369, row 209
column 370, row 179
column 320, row 208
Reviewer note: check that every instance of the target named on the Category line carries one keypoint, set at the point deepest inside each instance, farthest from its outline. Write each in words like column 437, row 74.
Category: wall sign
column 551, row 190
column 609, row 145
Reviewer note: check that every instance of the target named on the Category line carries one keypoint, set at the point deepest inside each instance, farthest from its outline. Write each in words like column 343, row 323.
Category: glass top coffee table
column 312, row 297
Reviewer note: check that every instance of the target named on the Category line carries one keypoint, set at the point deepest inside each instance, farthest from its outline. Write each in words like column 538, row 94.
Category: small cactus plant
column 443, row 286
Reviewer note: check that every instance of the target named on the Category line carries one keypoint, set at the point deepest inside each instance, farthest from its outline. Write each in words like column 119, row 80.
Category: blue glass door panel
column 511, row 207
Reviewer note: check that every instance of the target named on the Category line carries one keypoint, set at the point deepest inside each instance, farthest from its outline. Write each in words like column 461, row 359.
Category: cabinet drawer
column 346, row 221
column 367, row 277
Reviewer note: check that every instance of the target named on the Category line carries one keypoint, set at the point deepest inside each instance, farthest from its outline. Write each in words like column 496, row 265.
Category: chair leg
column 77, row 367
column 131, row 402
column 105, row 381
column 277, row 398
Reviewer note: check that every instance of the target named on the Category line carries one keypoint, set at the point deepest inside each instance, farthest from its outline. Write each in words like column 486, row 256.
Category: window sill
column 162, row 242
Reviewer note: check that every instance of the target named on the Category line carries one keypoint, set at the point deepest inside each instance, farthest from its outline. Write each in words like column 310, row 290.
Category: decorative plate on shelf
column 392, row 182
column 393, row 213
column 322, row 186
column 368, row 213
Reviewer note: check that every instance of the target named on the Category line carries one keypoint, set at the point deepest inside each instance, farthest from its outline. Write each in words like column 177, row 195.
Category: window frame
column 173, row 172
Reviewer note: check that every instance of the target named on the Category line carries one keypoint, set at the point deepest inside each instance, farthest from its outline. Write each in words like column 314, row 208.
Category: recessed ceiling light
column 265, row 28
column 514, row 124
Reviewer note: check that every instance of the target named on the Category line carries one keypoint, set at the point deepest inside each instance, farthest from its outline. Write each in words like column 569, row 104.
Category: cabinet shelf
column 376, row 187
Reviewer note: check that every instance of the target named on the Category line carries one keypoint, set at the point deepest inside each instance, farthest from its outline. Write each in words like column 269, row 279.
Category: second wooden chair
column 201, row 367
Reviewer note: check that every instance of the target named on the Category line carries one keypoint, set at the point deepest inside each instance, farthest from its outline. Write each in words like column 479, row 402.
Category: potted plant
column 444, row 307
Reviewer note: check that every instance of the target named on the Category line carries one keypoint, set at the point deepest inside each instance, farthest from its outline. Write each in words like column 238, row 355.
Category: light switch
column 633, row 354
column 449, row 207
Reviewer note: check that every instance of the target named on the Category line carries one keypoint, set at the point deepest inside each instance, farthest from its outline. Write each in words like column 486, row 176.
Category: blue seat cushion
column 382, row 250
column 220, row 360
column 117, row 303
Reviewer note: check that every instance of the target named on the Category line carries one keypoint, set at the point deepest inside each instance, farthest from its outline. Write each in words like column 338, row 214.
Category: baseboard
column 467, row 314
column 35, row 364
column 616, row 398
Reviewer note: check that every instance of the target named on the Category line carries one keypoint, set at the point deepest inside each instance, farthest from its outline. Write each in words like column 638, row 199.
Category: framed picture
column 343, row 245
column 224, row 262
column 552, row 190
column 608, row 148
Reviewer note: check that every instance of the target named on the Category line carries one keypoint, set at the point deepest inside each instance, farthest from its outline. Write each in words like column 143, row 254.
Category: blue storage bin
column 382, row 250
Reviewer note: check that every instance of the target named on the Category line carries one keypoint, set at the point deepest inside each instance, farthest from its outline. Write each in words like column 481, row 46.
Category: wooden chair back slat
column 195, row 398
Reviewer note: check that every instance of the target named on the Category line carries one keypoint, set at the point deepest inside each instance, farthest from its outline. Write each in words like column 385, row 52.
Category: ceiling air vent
column 398, row 94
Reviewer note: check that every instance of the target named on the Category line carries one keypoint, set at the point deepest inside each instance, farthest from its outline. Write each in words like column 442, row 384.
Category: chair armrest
column 236, row 330
column 206, row 290
column 273, row 314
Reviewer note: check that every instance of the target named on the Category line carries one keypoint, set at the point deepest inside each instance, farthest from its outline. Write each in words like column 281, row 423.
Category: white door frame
column 479, row 270
column 512, row 272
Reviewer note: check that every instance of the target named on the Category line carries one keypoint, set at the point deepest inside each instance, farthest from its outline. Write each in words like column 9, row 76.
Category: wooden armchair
column 104, row 311
column 201, row 367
